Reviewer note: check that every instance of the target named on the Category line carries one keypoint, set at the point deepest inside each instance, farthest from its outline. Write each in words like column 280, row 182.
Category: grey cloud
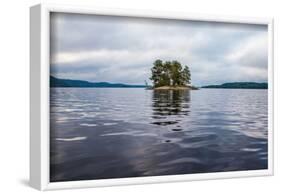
column 122, row 49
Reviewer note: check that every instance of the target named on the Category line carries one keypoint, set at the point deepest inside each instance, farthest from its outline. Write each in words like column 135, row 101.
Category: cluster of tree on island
column 169, row 73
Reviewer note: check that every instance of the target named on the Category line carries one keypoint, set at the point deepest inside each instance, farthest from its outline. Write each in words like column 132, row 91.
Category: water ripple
column 114, row 133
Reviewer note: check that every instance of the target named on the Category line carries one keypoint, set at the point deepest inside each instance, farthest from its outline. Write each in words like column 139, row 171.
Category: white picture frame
column 39, row 96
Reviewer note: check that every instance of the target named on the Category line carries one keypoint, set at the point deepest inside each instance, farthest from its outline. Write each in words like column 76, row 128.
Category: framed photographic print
column 132, row 97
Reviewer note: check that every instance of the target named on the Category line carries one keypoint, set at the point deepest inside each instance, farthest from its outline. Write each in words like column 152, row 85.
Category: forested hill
column 240, row 85
column 56, row 82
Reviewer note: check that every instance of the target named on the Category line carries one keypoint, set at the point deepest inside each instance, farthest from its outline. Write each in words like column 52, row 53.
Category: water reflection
column 121, row 133
column 170, row 106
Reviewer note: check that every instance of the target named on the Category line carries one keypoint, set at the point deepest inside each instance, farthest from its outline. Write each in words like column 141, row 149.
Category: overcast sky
column 122, row 49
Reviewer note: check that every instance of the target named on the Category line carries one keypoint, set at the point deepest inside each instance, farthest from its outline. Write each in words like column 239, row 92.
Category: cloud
column 122, row 49
column 252, row 52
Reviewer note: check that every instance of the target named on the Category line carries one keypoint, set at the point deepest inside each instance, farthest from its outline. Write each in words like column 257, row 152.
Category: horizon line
column 149, row 85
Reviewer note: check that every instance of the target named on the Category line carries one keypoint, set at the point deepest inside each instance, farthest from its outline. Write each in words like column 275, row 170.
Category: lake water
column 99, row 133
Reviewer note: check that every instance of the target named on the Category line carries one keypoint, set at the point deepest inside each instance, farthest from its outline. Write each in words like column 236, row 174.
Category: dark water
column 116, row 133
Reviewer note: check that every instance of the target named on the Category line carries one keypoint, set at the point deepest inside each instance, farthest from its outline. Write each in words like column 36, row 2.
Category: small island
column 170, row 75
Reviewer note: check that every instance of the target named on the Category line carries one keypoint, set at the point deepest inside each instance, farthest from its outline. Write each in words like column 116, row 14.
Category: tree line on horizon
column 169, row 73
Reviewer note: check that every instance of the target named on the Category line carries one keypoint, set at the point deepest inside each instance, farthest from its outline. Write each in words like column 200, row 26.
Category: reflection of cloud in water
column 181, row 160
column 109, row 124
column 89, row 114
column 132, row 133
column 88, row 125
column 250, row 149
column 71, row 139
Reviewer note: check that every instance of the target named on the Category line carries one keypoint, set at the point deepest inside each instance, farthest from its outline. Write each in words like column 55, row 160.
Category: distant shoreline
column 68, row 83
column 238, row 85
column 238, row 88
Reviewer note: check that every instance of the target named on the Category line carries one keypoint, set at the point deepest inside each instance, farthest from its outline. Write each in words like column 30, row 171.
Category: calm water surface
column 99, row 133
